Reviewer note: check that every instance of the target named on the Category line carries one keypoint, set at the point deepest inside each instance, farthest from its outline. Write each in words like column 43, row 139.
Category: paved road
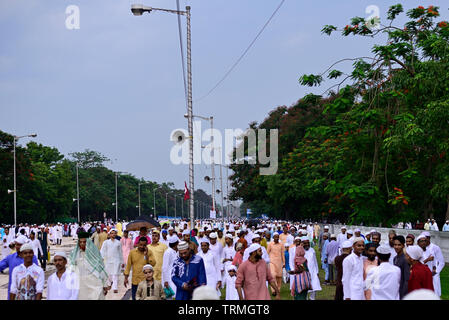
column 67, row 246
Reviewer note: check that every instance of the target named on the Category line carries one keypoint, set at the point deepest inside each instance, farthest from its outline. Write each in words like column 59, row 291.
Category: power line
column 244, row 53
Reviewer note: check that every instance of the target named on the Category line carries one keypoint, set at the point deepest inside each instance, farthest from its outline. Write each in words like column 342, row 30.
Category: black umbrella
column 142, row 221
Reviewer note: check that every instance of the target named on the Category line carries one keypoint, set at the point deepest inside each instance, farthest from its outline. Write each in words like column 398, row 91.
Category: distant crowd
column 239, row 259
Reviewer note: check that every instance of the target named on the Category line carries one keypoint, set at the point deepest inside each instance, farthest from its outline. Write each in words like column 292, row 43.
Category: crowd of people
column 245, row 260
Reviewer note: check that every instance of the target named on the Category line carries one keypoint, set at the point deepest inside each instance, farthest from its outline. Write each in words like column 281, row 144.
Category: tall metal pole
column 15, row 187
column 175, row 206
column 190, row 116
column 213, row 162
column 116, row 198
column 154, row 202
column 227, row 192
column 78, row 192
column 139, row 199
column 166, row 205
column 221, row 182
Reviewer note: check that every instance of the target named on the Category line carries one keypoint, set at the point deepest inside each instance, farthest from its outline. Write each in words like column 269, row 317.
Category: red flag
column 186, row 192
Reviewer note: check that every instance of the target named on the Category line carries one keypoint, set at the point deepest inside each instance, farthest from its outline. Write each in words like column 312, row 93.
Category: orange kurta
column 277, row 258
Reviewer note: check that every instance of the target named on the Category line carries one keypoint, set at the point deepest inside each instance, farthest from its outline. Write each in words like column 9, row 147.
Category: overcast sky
column 115, row 85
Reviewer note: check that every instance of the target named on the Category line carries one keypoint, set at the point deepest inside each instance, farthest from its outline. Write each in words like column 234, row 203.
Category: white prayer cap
column 61, row 254
column 421, row 294
column 346, row 244
column 344, row 227
column 357, row 230
column 426, row 233
column 105, row 229
column 326, row 227
column 228, row 235
column 205, row 293
column 357, row 239
column 256, row 236
column 303, row 232
column 304, row 238
column 232, row 267
column 333, row 235
column 201, row 230
column 421, row 236
column 26, row 246
column 276, row 233
column 253, row 247
column 297, row 238
column 173, row 239
column 147, row 266
column 213, row 235
column 350, row 232
column 183, row 245
column 372, row 231
column 304, row 225
column 286, row 245
column 203, row 239
column 415, row 252
column 186, row 232
column 21, row 239
column 383, row 249
column 170, row 228
column 113, row 229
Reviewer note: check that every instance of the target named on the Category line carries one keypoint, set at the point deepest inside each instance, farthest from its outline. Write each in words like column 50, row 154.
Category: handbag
column 303, row 281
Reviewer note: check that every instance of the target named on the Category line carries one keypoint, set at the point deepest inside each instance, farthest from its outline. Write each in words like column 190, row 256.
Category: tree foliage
column 374, row 148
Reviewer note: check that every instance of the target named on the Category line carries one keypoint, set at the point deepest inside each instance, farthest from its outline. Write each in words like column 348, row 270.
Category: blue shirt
column 12, row 261
column 192, row 273
column 323, row 250
column 446, row 227
column 331, row 251
column 287, row 259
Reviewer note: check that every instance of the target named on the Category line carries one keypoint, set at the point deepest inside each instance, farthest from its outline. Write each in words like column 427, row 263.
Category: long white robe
column 212, row 267
column 437, row 262
column 384, row 281
column 312, row 264
column 353, row 285
column 111, row 251
column 169, row 258
column 90, row 287
column 231, row 291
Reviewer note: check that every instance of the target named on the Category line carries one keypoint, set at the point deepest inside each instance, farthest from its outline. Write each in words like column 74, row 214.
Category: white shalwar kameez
column 111, row 251
column 90, row 287
column 231, row 291
column 313, row 269
column 384, row 281
column 212, row 268
column 353, row 285
column 169, row 258
column 438, row 262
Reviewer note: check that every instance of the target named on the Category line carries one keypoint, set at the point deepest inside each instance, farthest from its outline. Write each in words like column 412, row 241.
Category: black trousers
column 43, row 262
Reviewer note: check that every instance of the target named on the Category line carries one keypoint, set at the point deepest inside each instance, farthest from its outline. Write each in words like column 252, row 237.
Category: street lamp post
column 78, row 192
column 116, row 198
column 138, row 10
column 139, row 195
column 15, row 183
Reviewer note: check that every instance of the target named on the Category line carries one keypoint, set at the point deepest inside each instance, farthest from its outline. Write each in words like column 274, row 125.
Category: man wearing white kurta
column 312, row 264
column 63, row 284
column 228, row 254
column 342, row 237
column 211, row 266
column 433, row 258
column 111, row 251
column 170, row 255
column 383, row 280
column 353, row 285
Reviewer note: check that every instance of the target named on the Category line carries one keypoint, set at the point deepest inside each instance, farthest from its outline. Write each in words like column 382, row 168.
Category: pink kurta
column 252, row 278
column 277, row 258
column 127, row 246
column 367, row 265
